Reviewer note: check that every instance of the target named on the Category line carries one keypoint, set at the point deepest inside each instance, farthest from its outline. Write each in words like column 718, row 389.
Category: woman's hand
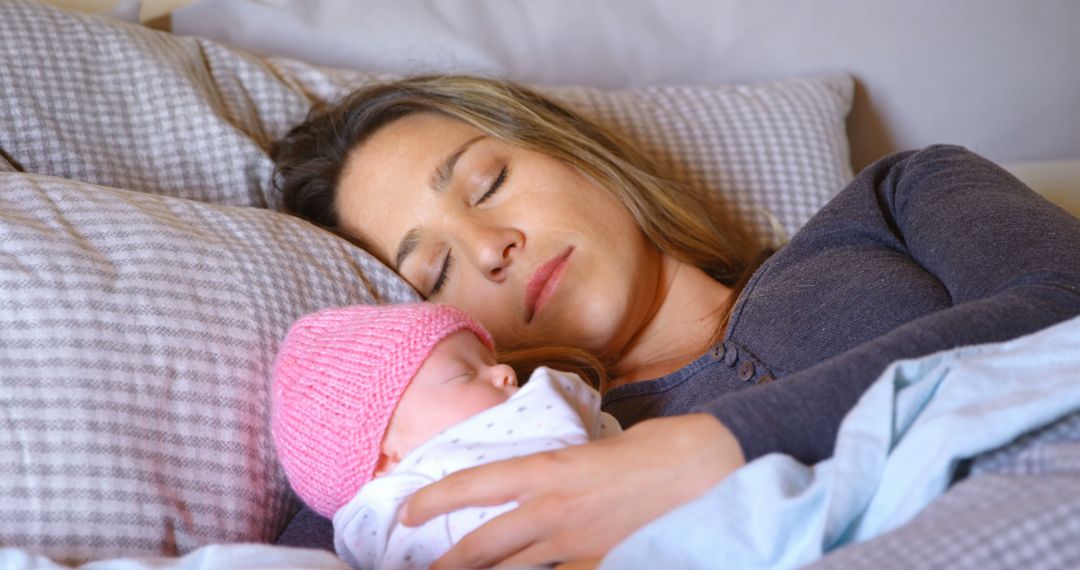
column 577, row 503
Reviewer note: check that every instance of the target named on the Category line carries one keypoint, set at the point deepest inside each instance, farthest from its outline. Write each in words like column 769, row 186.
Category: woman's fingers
column 528, row 535
column 544, row 553
column 486, row 485
column 498, row 540
column 578, row 502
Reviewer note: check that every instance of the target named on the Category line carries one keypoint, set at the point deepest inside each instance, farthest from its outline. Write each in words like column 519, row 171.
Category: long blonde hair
column 680, row 220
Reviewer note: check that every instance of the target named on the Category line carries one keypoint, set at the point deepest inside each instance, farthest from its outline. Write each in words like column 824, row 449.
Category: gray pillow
column 103, row 101
column 137, row 334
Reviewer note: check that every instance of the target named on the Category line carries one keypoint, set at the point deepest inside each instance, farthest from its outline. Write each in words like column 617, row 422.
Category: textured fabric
column 137, row 334
column 125, row 106
column 338, row 377
column 1054, row 449
column 198, row 118
column 6, row 166
column 767, row 150
column 1020, row 508
column 726, row 368
column 924, row 251
column 552, row 410
column 308, row 529
column 896, row 451
column 211, row 557
column 972, row 528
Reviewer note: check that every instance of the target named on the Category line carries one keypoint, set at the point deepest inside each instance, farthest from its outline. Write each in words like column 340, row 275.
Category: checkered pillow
column 774, row 151
column 111, row 103
column 136, row 338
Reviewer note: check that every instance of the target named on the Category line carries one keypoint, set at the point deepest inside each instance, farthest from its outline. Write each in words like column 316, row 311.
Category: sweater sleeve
column 1009, row 260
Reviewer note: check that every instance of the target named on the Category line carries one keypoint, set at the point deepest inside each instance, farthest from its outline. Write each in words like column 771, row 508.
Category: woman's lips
column 543, row 283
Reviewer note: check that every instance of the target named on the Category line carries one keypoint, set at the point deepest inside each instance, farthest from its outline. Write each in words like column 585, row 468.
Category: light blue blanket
column 896, row 451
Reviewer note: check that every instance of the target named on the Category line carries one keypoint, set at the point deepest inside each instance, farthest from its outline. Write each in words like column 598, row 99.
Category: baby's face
column 459, row 379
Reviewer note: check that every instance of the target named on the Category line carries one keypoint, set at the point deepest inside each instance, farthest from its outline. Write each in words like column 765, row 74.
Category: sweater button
column 731, row 355
column 718, row 351
column 746, row 370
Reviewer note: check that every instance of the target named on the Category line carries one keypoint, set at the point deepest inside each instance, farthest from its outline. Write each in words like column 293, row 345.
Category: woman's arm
column 577, row 503
column 1008, row 260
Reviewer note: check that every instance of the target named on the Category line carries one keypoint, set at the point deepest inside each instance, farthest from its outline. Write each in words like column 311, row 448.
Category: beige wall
column 151, row 9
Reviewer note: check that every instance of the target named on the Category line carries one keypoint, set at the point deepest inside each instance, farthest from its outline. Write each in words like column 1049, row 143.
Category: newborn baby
column 370, row 403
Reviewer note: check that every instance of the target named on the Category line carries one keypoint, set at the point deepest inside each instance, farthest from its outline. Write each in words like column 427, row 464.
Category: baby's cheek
column 476, row 403
column 490, row 401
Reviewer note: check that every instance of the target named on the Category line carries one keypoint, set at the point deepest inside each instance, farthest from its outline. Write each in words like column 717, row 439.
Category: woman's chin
column 570, row 324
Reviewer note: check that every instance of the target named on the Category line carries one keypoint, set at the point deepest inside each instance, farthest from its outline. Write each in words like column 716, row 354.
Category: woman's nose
column 496, row 251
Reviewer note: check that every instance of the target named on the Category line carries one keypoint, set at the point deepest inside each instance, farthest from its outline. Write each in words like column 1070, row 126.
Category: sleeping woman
column 549, row 230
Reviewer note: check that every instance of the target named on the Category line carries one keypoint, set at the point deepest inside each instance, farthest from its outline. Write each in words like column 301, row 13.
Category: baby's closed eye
column 465, row 375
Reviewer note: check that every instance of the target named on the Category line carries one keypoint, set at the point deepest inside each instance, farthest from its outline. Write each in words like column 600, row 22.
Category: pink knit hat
column 338, row 377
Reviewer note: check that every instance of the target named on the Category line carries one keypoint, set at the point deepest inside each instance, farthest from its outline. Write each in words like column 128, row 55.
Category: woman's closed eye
column 495, row 185
column 437, row 287
column 448, row 260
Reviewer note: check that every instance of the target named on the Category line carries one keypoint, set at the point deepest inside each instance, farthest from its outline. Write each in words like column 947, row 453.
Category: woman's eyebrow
column 407, row 245
column 440, row 179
